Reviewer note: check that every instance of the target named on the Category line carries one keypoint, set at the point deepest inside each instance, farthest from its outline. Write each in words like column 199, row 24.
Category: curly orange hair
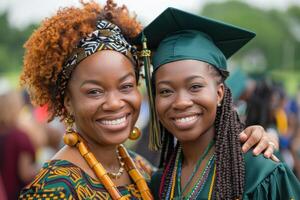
column 51, row 44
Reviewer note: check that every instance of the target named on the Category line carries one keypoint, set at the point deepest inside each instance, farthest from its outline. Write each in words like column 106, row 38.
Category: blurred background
column 265, row 77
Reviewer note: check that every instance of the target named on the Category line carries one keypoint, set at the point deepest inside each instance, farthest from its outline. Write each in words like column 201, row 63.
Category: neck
column 192, row 150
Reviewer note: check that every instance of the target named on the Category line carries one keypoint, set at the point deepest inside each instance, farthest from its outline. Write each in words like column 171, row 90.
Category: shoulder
column 258, row 167
column 56, row 178
column 142, row 164
column 265, row 177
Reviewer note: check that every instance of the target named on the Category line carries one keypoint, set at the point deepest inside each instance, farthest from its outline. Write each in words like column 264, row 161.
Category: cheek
column 85, row 110
column 161, row 105
column 135, row 100
column 85, row 106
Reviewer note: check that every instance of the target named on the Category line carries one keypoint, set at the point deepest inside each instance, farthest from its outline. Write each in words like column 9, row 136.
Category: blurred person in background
column 46, row 137
column 292, row 110
column 17, row 153
column 242, row 87
column 261, row 109
column 2, row 189
column 284, row 123
column 295, row 146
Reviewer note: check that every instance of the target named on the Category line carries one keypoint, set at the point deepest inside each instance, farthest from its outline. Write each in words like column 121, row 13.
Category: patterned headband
column 107, row 36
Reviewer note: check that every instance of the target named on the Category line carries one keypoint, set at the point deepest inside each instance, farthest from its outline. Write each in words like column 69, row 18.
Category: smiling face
column 186, row 99
column 103, row 97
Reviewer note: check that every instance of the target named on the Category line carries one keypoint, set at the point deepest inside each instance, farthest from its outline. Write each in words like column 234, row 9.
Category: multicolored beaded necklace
column 172, row 175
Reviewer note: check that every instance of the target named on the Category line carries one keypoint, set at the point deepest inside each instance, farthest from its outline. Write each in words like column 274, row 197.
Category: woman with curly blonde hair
column 80, row 64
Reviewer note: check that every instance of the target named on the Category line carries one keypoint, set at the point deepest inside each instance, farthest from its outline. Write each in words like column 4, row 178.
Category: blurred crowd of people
column 264, row 101
column 26, row 140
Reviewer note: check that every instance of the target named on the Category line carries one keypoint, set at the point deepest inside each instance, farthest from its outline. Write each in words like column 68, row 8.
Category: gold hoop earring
column 70, row 137
column 134, row 134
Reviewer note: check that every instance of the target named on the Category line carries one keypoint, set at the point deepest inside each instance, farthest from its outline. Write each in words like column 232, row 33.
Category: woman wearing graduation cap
column 194, row 105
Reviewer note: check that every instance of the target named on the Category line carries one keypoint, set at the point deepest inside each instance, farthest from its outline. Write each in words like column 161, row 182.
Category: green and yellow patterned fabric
column 60, row 179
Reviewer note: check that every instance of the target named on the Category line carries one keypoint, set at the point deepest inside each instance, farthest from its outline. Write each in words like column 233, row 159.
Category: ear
column 68, row 103
column 220, row 92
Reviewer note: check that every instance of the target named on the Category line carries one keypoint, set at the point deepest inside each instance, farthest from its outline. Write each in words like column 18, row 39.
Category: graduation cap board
column 178, row 35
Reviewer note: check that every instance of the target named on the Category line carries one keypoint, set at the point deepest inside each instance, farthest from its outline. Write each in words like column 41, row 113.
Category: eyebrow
column 97, row 82
column 186, row 80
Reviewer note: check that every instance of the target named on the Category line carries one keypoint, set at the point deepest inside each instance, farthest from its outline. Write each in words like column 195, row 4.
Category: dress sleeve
column 280, row 184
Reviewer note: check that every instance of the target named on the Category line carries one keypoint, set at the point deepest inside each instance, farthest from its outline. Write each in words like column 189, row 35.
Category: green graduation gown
column 264, row 179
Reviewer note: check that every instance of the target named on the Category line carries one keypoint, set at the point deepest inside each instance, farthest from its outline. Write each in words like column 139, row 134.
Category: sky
column 23, row 12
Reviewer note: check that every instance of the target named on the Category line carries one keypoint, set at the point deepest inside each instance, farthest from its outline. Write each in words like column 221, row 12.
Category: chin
column 118, row 139
column 186, row 136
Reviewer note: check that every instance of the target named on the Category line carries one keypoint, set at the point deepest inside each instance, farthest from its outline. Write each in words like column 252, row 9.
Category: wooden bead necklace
column 73, row 139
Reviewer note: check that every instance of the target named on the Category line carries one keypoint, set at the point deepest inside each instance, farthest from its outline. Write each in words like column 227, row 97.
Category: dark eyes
column 95, row 92
column 196, row 87
column 127, row 87
column 165, row 92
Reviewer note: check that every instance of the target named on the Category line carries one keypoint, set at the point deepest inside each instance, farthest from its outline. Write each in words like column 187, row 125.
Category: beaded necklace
column 172, row 175
column 195, row 168
column 197, row 188
column 73, row 139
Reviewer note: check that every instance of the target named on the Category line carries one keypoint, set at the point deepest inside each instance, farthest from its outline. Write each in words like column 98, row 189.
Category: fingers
column 254, row 136
column 261, row 146
column 243, row 136
column 274, row 158
column 269, row 151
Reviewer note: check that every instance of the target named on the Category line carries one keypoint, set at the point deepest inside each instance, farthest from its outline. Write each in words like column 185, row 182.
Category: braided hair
column 230, row 169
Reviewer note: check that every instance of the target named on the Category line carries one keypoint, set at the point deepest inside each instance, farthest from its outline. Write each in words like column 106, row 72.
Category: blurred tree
column 11, row 44
column 275, row 45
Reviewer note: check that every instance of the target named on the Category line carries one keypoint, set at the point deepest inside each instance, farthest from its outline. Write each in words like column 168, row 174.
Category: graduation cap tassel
column 155, row 135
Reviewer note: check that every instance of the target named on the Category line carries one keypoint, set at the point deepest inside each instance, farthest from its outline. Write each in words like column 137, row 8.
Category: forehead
column 182, row 69
column 106, row 63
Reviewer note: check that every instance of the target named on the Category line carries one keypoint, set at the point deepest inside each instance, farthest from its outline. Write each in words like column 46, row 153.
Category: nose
column 182, row 101
column 113, row 102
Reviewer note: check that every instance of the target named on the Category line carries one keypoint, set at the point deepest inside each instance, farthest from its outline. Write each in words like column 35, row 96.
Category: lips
column 185, row 121
column 114, row 123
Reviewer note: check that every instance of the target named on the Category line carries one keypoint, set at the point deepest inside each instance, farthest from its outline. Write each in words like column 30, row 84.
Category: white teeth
column 186, row 119
column 114, row 122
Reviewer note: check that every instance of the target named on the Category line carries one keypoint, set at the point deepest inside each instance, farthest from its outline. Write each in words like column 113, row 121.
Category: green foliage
column 275, row 42
column 11, row 45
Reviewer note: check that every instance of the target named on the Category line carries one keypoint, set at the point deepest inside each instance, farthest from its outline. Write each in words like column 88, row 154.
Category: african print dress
column 60, row 179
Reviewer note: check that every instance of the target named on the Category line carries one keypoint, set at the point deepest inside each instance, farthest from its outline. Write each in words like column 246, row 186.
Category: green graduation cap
column 177, row 35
